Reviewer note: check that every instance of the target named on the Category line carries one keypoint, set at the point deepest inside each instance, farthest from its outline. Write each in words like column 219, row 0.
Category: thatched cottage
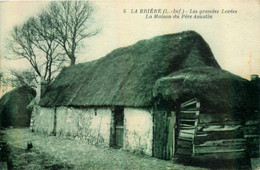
column 117, row 100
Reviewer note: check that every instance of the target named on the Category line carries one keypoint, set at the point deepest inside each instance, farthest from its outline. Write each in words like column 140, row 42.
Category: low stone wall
column 138, row 133
column 43, row 119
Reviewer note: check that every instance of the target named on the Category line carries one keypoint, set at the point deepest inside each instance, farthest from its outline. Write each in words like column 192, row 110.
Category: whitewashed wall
column 94, row 126
column 84, row 124
column 138, row 133
column 43, row 119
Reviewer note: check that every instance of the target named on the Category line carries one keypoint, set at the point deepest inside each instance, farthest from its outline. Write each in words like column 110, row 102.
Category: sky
column 233, row 37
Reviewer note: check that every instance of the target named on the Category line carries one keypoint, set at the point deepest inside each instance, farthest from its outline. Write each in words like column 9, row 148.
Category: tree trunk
column 72, row 61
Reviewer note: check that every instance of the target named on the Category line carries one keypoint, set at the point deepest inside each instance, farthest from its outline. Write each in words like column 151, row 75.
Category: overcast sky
column 233, row 38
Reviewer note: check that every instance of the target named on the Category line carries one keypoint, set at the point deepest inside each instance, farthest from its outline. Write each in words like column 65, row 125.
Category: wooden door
column 119, row 136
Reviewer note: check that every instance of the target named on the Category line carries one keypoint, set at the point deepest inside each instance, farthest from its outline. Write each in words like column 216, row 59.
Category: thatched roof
column 218, row 90
column 13, row 111
column 126, row 76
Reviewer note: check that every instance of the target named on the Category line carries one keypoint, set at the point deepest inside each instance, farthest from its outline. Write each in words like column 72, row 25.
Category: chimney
column 254, row 77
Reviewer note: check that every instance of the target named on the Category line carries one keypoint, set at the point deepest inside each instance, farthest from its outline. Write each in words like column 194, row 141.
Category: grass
column 51, row 152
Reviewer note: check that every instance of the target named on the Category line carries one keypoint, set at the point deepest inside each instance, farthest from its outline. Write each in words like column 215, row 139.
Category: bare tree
column 7, row 83
column 51, row 39
column 35, row 41
column 72, row 23
column 25, row 78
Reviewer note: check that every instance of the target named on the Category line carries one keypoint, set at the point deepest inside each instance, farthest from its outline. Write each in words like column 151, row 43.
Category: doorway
column 119, row 126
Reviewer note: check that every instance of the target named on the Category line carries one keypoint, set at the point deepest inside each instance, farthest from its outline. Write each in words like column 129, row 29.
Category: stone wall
column 43, row 119
column 94, row 126
column 91, row 125
column 138, row 133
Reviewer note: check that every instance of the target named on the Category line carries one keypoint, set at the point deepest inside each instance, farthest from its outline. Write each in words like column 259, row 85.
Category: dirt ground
column 52, row 152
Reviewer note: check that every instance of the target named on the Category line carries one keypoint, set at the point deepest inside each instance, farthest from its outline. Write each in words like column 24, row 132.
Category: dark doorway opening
column 119, row 127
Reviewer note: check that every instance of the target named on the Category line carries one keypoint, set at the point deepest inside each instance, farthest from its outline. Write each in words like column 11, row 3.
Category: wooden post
column 55, row 122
